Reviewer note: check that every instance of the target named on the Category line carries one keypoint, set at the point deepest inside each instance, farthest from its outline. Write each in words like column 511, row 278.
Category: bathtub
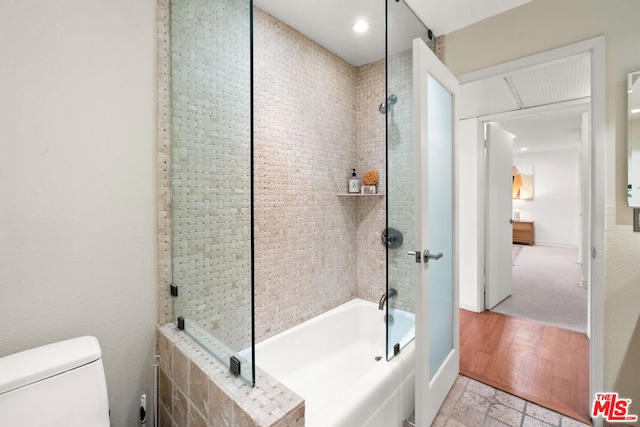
column 330, row 361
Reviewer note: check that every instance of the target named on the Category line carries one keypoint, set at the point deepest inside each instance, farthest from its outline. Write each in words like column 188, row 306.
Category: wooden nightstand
column 524, row 232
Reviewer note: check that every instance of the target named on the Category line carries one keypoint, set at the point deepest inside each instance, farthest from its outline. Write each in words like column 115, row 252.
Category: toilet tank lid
column 30, row 366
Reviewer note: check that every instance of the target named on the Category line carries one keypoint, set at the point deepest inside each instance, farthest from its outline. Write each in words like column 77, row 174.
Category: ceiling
column 553, row 82
column 330, row 22
column 545, row 102
column 546, row 131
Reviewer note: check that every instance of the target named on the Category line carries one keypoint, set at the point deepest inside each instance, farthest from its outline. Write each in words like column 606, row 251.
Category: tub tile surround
column 305, row 236
column 362, row 272
column 371, row 154
column 164, row 162
column 316, row 250
column 196, row 390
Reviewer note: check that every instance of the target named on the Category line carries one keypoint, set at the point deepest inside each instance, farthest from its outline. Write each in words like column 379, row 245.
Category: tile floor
column 473, row 404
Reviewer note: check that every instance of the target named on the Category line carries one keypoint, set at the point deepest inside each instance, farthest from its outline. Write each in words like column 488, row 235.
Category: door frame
column 597, row 143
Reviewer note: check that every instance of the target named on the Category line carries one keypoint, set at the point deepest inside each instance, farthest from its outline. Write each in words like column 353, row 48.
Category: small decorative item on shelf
column 369, row 179
column 368, row 189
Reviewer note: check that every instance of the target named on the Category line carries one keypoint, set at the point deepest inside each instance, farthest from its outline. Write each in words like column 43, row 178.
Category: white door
column 436, row 291
column 499, row 235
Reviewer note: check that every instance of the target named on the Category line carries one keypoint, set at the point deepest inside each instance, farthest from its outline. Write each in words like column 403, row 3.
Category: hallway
column 542, row 364
column 546, row 287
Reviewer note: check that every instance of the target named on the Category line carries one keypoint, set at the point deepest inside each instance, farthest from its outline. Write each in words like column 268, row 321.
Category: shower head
column 392, row 99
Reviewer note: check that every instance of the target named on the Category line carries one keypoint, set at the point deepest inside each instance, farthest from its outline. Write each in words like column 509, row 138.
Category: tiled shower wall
column 316, row 118
column 370, row 147
column 314, row 250
column 305, row 235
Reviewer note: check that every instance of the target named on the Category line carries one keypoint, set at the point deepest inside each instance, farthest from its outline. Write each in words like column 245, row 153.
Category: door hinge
column 174, row 290
column 594, row 252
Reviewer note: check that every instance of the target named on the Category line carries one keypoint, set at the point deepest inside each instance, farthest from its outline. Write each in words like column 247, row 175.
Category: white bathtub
column 330, row 361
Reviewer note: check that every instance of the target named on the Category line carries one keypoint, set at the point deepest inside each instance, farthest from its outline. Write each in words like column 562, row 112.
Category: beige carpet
column 546, row 288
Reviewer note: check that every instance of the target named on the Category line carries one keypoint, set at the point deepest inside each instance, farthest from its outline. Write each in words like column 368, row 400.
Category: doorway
column 546, row 244
column 496, row 83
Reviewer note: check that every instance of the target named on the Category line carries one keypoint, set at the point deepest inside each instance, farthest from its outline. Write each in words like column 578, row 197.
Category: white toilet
column 57, row 385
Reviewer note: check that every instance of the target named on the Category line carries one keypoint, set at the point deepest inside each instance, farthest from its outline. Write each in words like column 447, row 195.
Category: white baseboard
column 471, row 306
column 556, row 244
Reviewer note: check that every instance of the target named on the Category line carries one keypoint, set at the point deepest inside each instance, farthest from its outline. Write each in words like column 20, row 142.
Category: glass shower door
column 402, row 27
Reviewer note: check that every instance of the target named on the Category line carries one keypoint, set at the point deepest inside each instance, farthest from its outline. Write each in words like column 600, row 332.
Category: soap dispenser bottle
column 354, row 183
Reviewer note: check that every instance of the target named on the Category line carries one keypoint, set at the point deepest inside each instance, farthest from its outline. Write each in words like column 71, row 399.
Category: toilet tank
column 56, row 385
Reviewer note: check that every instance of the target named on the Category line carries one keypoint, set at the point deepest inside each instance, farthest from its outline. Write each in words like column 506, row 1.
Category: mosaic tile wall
column 305, row 235
column 304, row 166
column 164, row 162
column 211, row 198
column 371, row 154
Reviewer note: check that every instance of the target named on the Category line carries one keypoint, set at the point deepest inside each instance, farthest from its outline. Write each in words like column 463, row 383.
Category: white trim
column 531, row 61
column 596, row 48
column 470, row 306
column 556, row 244
column 598, row 145
column 513, row 114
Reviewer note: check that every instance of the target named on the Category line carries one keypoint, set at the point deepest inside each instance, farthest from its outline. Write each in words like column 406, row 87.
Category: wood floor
column 543, row 364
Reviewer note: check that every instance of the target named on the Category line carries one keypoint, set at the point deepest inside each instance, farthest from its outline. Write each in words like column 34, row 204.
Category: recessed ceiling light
column 635, row 111
column 360, row 26
column 523, row 149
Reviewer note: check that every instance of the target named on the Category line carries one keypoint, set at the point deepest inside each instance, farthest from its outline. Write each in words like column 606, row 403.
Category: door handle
column 428, row 256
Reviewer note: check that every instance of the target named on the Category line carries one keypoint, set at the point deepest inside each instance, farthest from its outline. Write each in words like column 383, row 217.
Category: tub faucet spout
column 391, row 294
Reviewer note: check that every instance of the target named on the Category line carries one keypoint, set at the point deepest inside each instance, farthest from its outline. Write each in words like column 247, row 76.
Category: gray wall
column 77, row 183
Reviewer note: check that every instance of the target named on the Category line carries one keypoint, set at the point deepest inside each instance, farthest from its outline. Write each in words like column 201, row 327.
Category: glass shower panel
column 211, row 169
column 402, row 28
